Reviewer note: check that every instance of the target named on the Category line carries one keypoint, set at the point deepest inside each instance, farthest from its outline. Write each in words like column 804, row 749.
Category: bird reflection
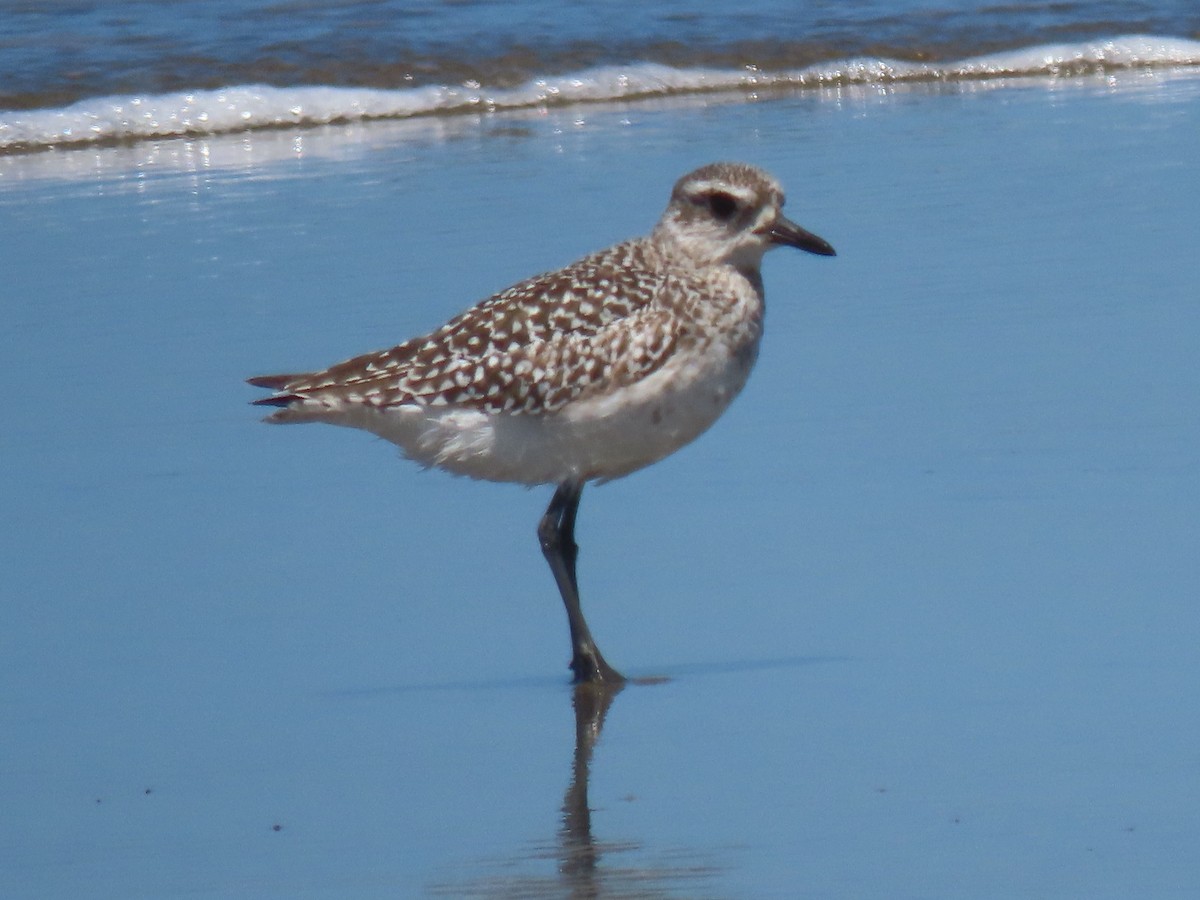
column 584, row 866
column 580, row 856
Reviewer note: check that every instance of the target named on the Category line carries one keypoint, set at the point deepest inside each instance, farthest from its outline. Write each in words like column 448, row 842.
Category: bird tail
column 273, row 382
column 276, row 383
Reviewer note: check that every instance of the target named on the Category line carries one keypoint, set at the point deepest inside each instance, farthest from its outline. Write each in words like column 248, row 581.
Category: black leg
column 556, row 532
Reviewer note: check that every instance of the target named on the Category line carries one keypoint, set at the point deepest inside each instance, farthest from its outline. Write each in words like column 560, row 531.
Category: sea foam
column 245, row 107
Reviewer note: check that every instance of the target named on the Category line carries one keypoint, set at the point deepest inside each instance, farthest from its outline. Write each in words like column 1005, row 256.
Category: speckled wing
column 530, row 349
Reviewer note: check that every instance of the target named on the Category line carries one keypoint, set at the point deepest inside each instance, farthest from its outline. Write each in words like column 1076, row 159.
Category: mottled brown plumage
column 530, row 349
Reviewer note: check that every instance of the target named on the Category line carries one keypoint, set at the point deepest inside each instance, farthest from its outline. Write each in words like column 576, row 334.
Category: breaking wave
column 246, row 107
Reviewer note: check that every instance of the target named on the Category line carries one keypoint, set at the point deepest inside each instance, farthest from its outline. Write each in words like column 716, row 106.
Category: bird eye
column 722, row 205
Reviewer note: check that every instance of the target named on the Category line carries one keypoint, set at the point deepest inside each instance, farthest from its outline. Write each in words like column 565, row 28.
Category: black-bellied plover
column 583, row 374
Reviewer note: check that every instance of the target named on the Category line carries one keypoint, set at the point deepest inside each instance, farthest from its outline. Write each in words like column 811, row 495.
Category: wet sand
column 924, row 598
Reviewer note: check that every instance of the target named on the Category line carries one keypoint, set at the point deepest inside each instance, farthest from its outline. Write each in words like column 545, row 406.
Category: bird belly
column 599, row 436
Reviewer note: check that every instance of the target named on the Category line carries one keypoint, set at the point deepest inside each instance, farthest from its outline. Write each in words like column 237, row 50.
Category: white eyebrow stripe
column 722, row 187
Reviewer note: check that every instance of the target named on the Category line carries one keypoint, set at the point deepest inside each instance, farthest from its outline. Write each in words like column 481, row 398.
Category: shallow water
column 925, row 597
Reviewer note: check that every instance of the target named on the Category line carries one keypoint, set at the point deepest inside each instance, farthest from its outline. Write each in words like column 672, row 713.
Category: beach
column 920, row 608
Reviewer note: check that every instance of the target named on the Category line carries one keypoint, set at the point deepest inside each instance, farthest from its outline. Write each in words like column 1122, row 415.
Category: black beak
column 787, row 232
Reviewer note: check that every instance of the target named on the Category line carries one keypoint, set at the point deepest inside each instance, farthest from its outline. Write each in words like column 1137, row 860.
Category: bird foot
column 591, row 668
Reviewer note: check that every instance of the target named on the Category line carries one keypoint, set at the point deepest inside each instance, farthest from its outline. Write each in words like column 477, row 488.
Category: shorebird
column 583, row 374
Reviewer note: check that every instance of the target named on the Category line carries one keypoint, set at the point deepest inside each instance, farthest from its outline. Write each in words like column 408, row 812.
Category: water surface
column 925, row 596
